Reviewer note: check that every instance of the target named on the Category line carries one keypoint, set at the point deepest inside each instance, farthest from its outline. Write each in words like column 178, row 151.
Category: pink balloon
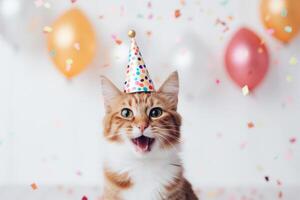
column 246, row 58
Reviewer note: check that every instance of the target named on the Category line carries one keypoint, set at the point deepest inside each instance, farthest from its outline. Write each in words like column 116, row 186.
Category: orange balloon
column 281, row 17
column 72, row 42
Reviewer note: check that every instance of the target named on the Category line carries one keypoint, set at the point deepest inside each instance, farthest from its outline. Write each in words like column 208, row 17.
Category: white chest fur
column 149, row 174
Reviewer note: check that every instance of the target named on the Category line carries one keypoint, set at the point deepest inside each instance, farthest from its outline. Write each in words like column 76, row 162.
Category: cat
column 142, row 141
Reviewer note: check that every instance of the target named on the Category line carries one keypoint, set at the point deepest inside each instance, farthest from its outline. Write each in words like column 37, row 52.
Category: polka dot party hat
column 137, row 75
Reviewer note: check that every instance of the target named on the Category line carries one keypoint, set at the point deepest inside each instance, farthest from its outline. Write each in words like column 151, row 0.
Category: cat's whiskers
column 166, row 139
column 162, row 132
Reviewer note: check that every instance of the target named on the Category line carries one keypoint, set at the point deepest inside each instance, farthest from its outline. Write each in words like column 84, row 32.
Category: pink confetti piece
column 279, row 183
column 73, row 1
column 289, row 155
column 243, row 145
column 69, row 63
column 150, row 16
column 79, row 173
column 217, row 81
column 77, row 46
column 293, row 140
column 38, row 3
column 149, row 4
column 270, row 31
column 84, row 198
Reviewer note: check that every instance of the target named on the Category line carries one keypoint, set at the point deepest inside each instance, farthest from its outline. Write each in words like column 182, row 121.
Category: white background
column 50, row 127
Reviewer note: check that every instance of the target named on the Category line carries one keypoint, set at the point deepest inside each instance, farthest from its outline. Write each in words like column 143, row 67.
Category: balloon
column 246, row 58
column 21, row 24
column 71, row 42
column 281, row 17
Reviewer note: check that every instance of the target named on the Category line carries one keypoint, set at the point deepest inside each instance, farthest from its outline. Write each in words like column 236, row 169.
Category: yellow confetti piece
column 47, row 29
column 245, row 90
column 293, row 61
column 289, row 78
column 69, row 61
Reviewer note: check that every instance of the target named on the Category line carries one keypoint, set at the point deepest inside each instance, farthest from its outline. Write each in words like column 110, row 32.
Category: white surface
column 50, row 127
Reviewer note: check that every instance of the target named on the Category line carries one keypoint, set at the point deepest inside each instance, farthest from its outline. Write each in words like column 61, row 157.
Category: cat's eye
column 126, row 113
column 155, row 112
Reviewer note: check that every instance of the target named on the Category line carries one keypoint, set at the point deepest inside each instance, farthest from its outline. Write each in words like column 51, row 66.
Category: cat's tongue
column 142, row 143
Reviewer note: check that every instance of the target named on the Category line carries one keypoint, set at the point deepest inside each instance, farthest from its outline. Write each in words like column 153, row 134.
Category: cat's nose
column 143, row 126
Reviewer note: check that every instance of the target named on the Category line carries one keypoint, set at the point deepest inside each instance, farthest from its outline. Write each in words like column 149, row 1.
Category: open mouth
column 143, row 144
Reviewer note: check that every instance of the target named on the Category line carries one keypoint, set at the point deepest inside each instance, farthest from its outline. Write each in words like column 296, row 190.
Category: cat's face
column 144, row 122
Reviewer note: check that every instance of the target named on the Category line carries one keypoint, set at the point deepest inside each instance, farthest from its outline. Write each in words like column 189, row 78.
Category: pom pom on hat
column 137, row 75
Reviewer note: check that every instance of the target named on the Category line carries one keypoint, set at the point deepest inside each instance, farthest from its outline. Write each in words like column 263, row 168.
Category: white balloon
column 22, row 23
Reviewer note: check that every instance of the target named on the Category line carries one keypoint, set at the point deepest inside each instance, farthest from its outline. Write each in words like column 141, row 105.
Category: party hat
column 137, row 75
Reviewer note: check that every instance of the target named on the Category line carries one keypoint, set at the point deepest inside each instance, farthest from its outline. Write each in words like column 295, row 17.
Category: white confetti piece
column 47, row 29
column 288, row 29
column 245, row 90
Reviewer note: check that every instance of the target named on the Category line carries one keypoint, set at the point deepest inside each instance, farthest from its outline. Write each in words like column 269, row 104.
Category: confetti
column 279, row 183
column 267, row 178
column 182, row 2
column 52, row 53
column 288, row 29
column 140, row 16
column 84, row 198
column 150, row 16
column 149, row 4
column 149, row 33
column 217, row 81
column 34, row 186
column 47, row 29
column 245, row 90
column 47, row 5
column 118, row 41
column 243, row 145
column 280, row 194
column 177, row 13
column 293, row 140
column 38, row 3
column 222, row 23
column 250, row 125
column 289, row 155
column 293, row 61
column 224, row 2
column 270, row 31
column 69, row 63
column 73, row 1
column 283, row 12
column 79, row 173
column 77, row 46
column 289, row 78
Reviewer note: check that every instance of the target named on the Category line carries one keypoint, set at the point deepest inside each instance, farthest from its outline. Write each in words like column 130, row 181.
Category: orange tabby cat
column 142, row 139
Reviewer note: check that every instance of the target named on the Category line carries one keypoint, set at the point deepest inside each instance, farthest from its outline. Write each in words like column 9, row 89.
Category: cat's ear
column 109, row 91
column 170, row 88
